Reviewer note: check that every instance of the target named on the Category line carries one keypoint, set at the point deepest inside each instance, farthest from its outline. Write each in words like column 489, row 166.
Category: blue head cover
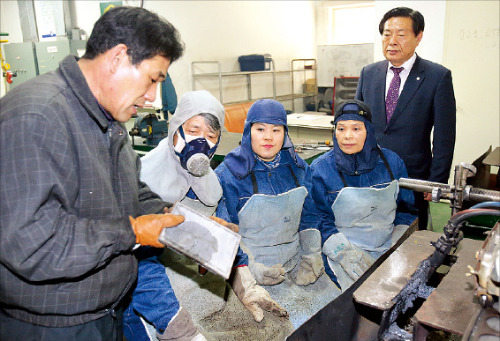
column 365, row 160
column 241, row 160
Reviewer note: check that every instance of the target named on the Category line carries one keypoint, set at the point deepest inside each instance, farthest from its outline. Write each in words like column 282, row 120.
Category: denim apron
column 269, row 229
column 366, row 215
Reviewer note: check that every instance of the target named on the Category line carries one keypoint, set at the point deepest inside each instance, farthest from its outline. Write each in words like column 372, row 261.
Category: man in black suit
column 409, row 97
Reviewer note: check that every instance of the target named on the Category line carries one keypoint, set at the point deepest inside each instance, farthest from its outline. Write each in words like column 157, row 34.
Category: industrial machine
column 151, row 126
column 419, row 289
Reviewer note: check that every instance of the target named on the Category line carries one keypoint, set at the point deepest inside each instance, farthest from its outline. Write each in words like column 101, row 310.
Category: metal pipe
column 470, row 193
column 479, row 195
column 423, row 185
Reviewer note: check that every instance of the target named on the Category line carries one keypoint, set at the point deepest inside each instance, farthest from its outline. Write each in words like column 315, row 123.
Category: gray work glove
column 254, row 297
column 354, row 260
column 311, row 264
column 263, row 274
column 267, row 275
column 181, row 328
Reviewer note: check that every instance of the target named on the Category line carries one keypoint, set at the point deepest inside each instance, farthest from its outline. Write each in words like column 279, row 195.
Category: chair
column 235, row 117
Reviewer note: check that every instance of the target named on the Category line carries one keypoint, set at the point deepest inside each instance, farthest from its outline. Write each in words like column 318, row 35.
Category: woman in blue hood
column 171, row 300
column 264, row 185
column 355, row 201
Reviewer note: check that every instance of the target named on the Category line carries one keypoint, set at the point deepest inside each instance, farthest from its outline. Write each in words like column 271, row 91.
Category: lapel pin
column 418, row 78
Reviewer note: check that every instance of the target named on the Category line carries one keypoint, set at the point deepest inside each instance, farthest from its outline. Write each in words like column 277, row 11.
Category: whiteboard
column 342, row 60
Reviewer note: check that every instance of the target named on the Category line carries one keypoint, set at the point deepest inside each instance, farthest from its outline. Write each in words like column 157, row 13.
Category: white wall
column 471, row 52
column 224, row 30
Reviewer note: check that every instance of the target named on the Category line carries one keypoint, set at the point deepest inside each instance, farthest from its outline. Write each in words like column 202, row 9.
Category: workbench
column 310, row 125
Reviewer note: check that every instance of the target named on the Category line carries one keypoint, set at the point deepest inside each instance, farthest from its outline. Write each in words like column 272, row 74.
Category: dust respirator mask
column 194, row 152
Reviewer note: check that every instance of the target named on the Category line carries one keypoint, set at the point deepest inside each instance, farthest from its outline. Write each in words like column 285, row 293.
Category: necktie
column 393, row 93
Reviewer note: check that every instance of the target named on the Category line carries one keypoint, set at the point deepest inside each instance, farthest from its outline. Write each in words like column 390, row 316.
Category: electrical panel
column 77, row 47
column 22, row 61
column 50, row 53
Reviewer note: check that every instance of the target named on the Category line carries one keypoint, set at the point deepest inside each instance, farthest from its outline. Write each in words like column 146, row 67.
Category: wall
column 222, row 30
column 471, row 51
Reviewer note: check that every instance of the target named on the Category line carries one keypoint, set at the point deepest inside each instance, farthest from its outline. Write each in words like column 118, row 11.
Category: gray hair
column 211, row 121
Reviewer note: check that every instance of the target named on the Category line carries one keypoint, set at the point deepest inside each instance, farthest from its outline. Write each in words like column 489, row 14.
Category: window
column 352, row 24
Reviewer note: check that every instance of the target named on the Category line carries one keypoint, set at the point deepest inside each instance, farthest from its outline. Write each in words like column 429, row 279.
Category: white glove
column 254, row 297
column 354, row 260
column 267, row 275
column 311, row 265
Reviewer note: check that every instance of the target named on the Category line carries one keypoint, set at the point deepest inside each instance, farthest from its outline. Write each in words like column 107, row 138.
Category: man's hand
column 428, row 196
column 233, row 227
column 147, row 228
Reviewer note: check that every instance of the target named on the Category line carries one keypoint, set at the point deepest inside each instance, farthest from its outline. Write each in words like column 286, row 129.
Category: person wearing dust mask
column 178, row 169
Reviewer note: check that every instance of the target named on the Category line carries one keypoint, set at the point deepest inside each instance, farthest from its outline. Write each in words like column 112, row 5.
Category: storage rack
column 303, row 66
column 344, row 88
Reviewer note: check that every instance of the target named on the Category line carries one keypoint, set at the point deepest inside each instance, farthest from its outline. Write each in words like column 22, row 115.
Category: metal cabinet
column 299, row 72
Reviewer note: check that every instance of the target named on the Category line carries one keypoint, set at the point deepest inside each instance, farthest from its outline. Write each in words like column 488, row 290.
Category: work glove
column 353, row 260
column 147, row 228
column 264, row 275
column 267, row 275
column 311, row 265
column 233, row 227
column 254, row 297
column 181, row 327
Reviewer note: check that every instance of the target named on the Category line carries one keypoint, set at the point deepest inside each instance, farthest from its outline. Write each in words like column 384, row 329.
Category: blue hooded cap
column 365, row 160
column 241, row 160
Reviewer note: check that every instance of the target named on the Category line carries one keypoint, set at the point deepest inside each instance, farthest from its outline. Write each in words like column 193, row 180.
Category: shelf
column 244, row 73
column 304, row 66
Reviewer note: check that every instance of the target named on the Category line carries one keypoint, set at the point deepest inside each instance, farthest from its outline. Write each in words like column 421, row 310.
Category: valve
column 8, row 76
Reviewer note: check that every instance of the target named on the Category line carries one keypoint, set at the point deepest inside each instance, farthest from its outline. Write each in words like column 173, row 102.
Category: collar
column 76, row 81
column 108, row 115
column 406, row 65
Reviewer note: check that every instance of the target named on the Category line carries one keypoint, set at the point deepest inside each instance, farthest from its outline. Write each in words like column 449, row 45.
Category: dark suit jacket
column 427, row 101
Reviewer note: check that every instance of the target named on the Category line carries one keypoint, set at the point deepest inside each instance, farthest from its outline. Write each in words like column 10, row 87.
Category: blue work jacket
column 270, row 181
column 327, row 183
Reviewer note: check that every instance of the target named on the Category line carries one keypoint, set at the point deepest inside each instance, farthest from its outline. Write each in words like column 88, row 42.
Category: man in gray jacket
column 72, row 206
